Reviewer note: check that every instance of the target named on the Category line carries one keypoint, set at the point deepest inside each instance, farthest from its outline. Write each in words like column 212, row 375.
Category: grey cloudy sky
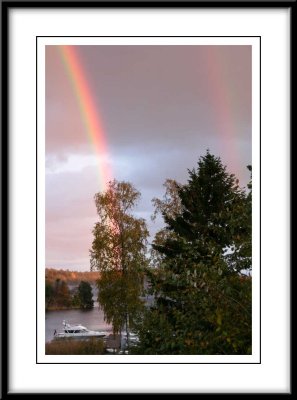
column 161, row 108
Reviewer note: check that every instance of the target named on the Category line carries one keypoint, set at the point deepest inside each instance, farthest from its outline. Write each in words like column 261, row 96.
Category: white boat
column 78, row 331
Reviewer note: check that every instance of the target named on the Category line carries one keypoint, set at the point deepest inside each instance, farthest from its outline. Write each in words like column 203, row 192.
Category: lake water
column 92, row 319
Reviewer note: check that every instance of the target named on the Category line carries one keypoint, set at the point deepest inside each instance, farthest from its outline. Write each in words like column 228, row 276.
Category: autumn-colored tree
column 57, row 295
column 119, row 254
column 168, row 206
column 62, row 294
column 49, row 295
column 70, row 277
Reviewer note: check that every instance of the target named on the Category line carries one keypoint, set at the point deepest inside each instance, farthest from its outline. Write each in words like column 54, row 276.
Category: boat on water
column 78, row 331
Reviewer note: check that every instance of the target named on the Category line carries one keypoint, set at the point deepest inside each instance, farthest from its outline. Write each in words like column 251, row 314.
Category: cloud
column 146, row 94
column 161, row 108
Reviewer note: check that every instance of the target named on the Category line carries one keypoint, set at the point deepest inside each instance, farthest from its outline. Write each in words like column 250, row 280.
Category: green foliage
column 76, row 299
column 202, row 300
column 119, row 254
column 85, row 295
column 49, row 294
column 57, row 295
column 170, row 206
column 62, row 293
column 119, row 297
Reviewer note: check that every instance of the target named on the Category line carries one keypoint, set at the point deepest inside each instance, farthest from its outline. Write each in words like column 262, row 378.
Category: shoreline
column 60, row 308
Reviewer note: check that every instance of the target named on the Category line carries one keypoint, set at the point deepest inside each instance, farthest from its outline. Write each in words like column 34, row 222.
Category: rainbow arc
column 89, row 110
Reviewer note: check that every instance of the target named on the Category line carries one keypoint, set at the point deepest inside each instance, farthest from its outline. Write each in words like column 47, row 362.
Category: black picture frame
column 6, row 231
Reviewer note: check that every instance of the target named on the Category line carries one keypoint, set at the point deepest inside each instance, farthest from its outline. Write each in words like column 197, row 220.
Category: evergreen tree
column 203, row 300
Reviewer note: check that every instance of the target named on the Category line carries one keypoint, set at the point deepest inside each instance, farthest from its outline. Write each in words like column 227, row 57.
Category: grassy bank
column 90, row 346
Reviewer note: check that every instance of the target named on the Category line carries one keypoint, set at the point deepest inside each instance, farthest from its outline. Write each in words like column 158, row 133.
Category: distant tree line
column 58, row 295
column 70, row 277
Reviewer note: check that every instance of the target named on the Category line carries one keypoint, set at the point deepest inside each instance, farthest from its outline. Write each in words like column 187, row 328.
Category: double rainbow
column 223, row 104
column 89, row 111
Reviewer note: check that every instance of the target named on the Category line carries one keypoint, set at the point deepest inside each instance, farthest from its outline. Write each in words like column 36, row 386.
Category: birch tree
column 119, row 254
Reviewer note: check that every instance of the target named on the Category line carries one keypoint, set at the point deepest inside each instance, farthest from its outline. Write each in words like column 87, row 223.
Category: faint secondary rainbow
column 222, row 99
column 88, row 109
